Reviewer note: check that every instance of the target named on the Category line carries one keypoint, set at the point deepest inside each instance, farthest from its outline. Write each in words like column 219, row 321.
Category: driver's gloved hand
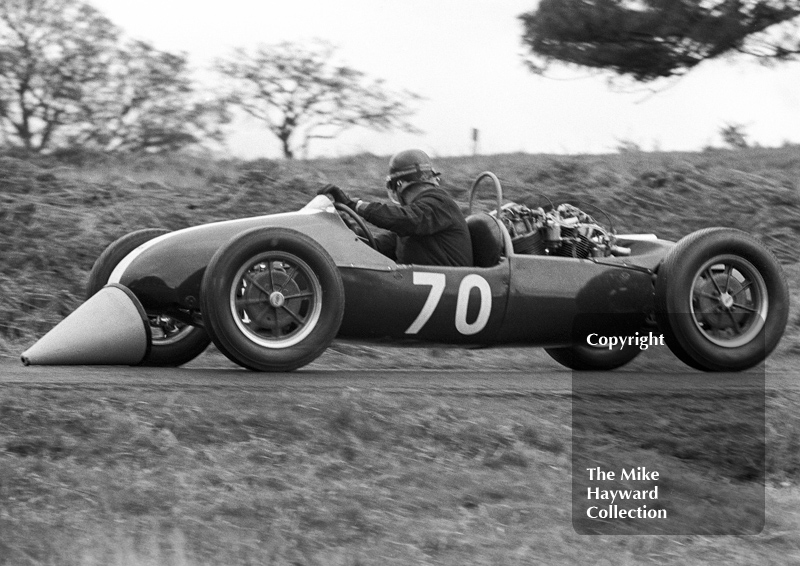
column 338, row 195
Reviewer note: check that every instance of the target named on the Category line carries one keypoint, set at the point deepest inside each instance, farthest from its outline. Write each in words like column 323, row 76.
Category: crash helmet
column 405, row 168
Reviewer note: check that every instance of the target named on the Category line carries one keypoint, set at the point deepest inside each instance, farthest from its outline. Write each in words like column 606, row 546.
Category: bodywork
column 532, row 299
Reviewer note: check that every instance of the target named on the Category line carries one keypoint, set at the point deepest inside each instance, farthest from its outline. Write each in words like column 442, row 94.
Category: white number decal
column 437, row 283
column 467, row 284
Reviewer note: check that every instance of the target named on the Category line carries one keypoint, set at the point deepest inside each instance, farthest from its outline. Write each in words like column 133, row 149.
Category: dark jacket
column 431, row 230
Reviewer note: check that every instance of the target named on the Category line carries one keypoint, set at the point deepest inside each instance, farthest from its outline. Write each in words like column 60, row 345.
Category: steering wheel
column 368, row 238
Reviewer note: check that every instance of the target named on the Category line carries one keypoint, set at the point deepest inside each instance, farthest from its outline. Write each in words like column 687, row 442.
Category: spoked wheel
column 272, row 299
column 173, row 342
column 276, row 299
column 721, row 300
column 730, row 301
column 168, row 331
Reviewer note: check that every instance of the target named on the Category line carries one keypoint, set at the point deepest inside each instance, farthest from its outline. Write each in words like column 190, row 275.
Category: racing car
column 272, row 292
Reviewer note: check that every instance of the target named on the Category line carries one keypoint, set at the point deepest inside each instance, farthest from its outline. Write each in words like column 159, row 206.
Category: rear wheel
column 721, row 300
column 173, row 343
column 272, row 299
column 583, row 357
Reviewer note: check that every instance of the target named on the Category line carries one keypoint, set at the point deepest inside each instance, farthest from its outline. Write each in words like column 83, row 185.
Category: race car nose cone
column 110, row 328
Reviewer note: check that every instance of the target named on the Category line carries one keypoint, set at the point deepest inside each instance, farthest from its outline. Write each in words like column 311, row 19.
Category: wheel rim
column 166, row 330
column 276, row 300
column 729, row 301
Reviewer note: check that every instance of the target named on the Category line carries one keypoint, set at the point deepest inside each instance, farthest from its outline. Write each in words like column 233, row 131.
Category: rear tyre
column 173, row 343
column 722, row 301
column 272, row 299
column 583, row 357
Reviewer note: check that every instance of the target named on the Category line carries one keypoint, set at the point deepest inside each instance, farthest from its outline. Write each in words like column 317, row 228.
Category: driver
column 425, row 224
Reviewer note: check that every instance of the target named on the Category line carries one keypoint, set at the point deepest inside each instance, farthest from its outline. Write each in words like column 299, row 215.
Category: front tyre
column 173, row 343
column 272, row 299
column 722, row 301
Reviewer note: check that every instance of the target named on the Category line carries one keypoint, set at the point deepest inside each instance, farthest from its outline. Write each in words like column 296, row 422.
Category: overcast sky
column 465, row 58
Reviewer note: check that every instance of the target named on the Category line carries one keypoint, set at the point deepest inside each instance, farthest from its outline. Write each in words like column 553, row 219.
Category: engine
column 563, row 231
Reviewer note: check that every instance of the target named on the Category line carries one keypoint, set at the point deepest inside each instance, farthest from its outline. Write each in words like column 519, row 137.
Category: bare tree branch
column 298, row 90
column 67, row 78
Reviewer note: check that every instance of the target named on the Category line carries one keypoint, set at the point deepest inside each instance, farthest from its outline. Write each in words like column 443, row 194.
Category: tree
column 66, row 77
column 51, row 52
column 734, row 136
column 651, row 39
column 301, row 94
column 628, row 146
column 147, row 102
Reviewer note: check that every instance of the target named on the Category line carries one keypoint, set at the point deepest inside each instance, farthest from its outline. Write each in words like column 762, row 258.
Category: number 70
column 437, row 284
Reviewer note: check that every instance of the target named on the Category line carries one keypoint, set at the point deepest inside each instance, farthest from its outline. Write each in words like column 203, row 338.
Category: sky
column 465, row 57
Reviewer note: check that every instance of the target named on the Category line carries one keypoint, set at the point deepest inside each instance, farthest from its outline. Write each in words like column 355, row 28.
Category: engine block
column 562, row 231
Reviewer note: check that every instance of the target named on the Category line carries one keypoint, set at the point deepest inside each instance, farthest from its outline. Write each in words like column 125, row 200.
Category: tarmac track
column 441, row 382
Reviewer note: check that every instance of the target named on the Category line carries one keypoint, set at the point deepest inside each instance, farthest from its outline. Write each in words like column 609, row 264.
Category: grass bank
column 56, row 216
column 236, row 477
column 357, row 477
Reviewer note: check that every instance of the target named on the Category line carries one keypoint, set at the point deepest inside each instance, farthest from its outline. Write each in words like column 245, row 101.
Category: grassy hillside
column 185, row 476
column 234, row 476
column 56, row 216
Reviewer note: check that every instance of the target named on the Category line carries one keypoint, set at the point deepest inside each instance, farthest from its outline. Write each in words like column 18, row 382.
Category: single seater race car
column 273, row 291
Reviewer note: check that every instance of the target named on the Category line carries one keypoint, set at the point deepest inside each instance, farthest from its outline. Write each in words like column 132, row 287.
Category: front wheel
column 721, row 300
column 173, row 343
column 272, row 299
